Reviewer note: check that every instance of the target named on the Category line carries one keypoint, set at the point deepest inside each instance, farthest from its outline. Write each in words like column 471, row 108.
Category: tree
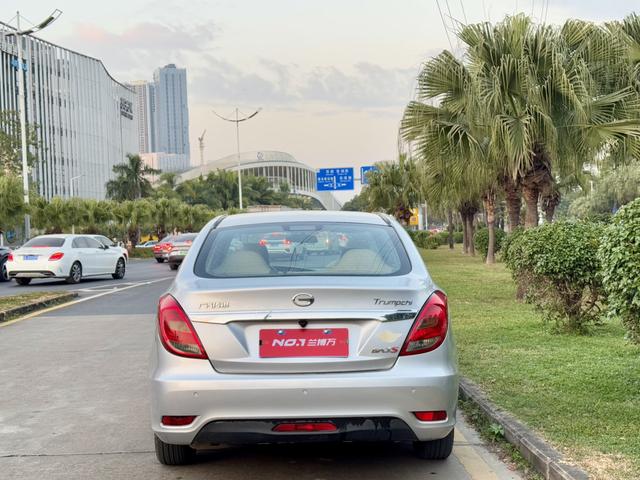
column 395, row 187
column 10, row 144
column 12, row 206
column 165, row 215
column 358, row 203
column 131, row 180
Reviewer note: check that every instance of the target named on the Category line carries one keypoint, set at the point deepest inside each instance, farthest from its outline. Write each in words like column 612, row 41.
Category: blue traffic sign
column 334, row 179
column 363, row 173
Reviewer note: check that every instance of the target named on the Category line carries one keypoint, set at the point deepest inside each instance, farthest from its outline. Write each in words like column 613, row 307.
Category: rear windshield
column 315, row 249
column 45, row 242
column 186, row 237
column 167, row 239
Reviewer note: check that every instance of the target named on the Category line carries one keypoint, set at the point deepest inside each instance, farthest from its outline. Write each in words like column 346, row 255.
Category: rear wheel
column 174, row 266
column 120, row 269
column 169, row 454
column 4, row 276
column 159, row 260
column 75, row 274
column 23, row 281
column 434, row 449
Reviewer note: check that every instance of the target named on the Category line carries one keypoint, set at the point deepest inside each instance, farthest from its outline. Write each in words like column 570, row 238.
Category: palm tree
column 551, row 100
column 395, row 187
column 131, row 180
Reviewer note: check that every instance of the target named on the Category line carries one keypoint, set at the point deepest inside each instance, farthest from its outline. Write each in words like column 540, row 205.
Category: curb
column 12, row 313
column 544, row 458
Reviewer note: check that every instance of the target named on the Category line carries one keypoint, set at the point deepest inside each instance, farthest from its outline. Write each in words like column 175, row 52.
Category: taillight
column 430, row 328
column 176, row 332
column 56, row 256
column 178, row 420
column 286, row 241
column 10, row 257
column 262, row 243
column 431, row 416
column 305, row 427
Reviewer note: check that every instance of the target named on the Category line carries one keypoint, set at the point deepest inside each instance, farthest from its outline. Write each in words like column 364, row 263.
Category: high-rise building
column 172, row 111
column 145, row 109
column 84, row 118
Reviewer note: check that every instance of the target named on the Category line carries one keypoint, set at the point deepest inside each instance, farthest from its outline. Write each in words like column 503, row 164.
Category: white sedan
column 70, row 257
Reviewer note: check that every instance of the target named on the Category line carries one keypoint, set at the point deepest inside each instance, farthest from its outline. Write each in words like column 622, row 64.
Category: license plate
column 30, row 257
column 308, row 342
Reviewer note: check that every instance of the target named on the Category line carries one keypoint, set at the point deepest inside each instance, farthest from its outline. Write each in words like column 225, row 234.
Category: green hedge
column 556, row 267
column 141, row 253
column 424, row 239
column 619, row 255
column 481, row 240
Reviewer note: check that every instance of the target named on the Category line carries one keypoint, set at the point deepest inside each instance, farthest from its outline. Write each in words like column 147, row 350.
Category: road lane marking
column 80, row 300
column 472, row 462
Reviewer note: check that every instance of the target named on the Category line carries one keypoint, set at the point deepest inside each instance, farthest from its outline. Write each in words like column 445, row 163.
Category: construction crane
column 201, row 145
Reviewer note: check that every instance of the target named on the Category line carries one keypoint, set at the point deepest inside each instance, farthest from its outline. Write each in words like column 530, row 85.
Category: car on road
column 179, row 248
column 253, row 347
column 4, row 254
column 71, row 257
column 107, row 242
column 162, row 248
column 148, row 244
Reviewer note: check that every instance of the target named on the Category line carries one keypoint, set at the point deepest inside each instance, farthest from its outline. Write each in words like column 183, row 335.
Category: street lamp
column 237, row 121
column 21, row 104
column 73, row 227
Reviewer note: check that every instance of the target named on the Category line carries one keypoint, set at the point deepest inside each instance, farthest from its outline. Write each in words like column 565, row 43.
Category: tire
column 169, row 454
column 160, row 260
column 174, row 266
column 121, row 268
column 23, row 281
column 434, row 449
column 75, row 274
column 4, row 276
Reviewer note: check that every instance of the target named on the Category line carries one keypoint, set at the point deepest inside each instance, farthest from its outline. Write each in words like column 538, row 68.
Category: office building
column 172, row 110
column 145, row 110
column 84, row 117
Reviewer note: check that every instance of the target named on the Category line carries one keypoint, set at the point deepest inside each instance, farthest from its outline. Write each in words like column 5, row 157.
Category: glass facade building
column 84, row 117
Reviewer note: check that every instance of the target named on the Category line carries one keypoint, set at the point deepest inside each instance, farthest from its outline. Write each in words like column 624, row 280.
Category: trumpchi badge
column 303, row 299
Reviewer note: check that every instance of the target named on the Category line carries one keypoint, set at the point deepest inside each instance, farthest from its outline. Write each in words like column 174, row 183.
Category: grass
column 580, row 392
column 13, row 301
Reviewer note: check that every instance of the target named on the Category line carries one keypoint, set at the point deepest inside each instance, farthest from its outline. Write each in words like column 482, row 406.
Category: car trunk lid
column 257, row 327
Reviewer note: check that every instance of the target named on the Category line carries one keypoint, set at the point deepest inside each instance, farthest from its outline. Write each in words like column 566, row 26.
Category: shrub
column 556, row 267
column 141, row 253
column 458, row 237
column 424, row 239
column 619, row 256
column 443, row 237
column 481, row 240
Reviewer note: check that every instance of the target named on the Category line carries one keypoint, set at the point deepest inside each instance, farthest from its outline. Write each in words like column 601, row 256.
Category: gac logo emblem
column 386, row 350
column 303, row 299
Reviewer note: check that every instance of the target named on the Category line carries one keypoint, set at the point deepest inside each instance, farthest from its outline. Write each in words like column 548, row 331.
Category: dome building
column 277, row 167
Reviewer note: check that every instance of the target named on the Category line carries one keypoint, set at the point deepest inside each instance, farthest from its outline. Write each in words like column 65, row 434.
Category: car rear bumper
column 161, row 255
column 357, row 429
column 182, row 386
column 31, row 274
column 175, row 258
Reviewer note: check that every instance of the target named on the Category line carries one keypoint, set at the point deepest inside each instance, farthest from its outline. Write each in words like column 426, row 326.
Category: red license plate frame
column 304, row 342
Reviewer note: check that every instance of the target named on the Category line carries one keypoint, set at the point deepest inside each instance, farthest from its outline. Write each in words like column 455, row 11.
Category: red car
column 162, row 248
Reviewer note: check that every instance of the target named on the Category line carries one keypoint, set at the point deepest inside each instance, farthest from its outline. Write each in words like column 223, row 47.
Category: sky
column 332, row 77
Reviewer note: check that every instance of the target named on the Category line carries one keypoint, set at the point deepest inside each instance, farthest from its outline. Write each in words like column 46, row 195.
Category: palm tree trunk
column 465, row 233
column 470, row 234
column 531, row 194
column 450, row 228
column 489, row 202
column 513, row 194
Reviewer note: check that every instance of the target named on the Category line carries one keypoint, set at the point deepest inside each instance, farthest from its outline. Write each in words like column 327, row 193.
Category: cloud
column 366, row 86
column 140, row 47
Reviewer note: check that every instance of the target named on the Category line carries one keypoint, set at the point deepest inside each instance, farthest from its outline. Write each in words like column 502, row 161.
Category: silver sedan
column 351, row 345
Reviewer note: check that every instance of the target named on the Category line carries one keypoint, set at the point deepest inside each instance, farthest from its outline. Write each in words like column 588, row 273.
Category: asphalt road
column 75, row 404
column 138, row 270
